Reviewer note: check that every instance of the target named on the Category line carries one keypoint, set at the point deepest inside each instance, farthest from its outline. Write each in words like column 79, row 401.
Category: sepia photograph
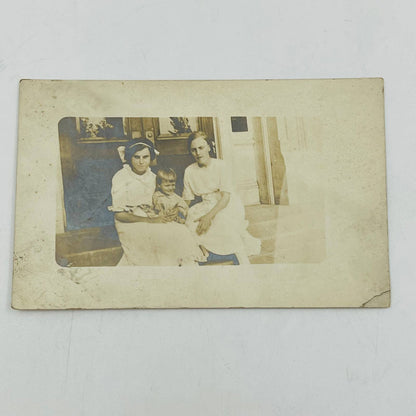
column 186, row 191
column 205, row 194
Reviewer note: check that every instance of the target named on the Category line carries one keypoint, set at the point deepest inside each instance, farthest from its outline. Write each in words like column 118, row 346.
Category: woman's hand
column 204, row 223
column 206, row 220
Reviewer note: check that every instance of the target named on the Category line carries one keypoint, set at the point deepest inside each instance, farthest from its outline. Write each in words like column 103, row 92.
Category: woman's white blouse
column 205, row 180
column 130, row 190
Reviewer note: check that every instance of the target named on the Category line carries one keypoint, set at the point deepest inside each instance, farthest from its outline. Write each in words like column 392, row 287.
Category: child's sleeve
column 141, row 211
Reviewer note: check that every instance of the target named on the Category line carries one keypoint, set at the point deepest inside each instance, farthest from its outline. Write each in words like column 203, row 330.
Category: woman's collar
column 207, row 165
column 135, row 175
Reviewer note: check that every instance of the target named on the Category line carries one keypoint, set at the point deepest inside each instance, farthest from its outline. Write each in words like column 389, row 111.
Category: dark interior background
column 89, row 165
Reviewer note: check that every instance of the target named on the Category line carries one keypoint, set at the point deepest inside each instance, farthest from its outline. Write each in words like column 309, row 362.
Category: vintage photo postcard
column 201, row 194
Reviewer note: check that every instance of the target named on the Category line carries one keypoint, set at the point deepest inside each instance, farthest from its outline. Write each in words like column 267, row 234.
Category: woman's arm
column 128, row 217
column 206, row 220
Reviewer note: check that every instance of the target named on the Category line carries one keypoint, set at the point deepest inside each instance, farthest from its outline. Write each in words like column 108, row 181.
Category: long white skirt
column 168, row 244
column 228, row 232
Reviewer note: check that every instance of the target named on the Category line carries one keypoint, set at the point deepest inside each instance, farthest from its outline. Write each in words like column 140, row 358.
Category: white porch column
column 300, row 141
column 238, row 150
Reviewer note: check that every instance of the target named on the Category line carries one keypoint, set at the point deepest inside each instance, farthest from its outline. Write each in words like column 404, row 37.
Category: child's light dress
column 163, row 203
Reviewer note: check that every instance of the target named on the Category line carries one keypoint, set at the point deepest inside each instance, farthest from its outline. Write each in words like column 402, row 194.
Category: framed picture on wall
column 101, row 129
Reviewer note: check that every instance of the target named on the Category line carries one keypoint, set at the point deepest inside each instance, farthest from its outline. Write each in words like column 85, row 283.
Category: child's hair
column 165, row 174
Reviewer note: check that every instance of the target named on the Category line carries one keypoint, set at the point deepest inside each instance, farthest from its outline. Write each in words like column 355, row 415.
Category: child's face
column 167, row 186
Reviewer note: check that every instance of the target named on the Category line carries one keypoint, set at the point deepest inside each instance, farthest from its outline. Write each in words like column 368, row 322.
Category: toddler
column 165, row 200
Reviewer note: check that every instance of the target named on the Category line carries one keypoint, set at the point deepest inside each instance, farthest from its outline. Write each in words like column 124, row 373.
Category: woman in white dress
column 218, row 221
column 147, row 240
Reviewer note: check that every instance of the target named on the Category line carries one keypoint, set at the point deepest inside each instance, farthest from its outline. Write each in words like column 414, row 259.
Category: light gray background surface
column 214, row 362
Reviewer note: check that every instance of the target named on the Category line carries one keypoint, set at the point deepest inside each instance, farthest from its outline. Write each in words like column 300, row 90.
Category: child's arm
column 157, row 205
column 181, row 217
column 182, row 207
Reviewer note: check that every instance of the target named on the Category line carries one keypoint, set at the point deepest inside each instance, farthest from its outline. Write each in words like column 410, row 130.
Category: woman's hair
column 138, row 144
column 196, row 135
column 165, row 174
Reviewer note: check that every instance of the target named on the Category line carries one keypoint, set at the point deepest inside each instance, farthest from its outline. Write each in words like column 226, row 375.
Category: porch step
column 259, row 213
column 263, row 230
column 95, row 258
column 263, row 225
column 88, row 247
